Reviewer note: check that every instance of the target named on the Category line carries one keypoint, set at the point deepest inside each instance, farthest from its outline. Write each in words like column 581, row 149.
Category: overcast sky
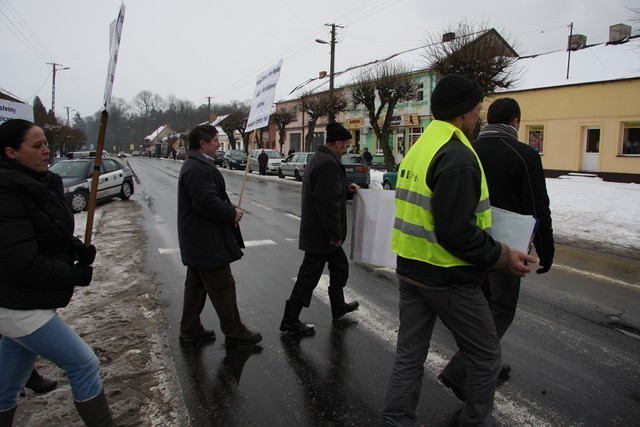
column 196, row 49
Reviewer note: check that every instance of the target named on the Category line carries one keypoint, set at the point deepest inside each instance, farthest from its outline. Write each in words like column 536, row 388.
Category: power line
column 33, row 35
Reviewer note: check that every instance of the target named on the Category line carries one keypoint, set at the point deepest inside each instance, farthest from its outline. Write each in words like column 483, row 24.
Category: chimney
column 619, row 32
column 322, row 74
column 577, row 41
column 447, row 37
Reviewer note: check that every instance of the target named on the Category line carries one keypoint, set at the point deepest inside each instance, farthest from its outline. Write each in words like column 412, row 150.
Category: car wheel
column 387, row 185
column 280, row 174
column 80, row 201
column 126, row 190
column 297, row 174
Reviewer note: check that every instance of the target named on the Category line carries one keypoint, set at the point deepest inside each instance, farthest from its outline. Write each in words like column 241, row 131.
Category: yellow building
column 590, row 121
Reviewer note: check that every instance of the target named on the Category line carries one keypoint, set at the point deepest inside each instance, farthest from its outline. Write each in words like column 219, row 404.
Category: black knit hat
column 337, row 132
column 454, row 95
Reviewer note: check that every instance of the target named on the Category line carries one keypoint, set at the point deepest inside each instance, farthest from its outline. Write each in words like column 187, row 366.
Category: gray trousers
column 501, row 291
column 465, row 312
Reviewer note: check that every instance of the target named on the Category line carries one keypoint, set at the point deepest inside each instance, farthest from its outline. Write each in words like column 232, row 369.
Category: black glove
column 81, row 275
column 85, row 254
column 546, row 266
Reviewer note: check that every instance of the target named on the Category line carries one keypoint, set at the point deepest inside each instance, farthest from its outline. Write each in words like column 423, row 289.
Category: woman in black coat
column 40, row 264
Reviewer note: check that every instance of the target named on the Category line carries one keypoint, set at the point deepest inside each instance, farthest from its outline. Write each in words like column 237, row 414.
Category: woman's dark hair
column 201, row 133
column 503, row 110
column 12, row 134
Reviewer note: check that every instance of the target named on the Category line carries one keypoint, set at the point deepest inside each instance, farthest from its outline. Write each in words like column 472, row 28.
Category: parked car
column 181, row 153
column 234, row 159
column 116, row 180
column 135, row 154
column 219, row 160
column 294, row 165
column 356, row 170
column 389, row 180
column 122, row 155
column 275, row 158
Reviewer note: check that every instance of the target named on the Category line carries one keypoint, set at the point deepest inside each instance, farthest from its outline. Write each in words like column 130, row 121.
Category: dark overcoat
column 36, row 238
column 207, row 234
column 324, row 203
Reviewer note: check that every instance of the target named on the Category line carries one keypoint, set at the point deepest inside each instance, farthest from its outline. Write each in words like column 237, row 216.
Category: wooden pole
column 246, row 169
column 95, row 177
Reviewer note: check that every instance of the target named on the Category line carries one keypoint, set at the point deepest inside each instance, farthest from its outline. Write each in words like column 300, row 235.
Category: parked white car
column 294, row 165
column 275, row 158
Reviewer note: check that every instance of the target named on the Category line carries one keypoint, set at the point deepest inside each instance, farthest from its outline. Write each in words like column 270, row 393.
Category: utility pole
column 332, row 115
column 209, row 98
column 68, row 120
column 55, row 68
column 569, row 48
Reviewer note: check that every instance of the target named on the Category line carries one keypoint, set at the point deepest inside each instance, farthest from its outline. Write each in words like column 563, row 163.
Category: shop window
column 414, row 134
column 536, row 138
column 631, row 138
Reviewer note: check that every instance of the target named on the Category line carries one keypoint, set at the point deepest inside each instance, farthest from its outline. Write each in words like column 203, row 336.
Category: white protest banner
column 374, row 213
column 263, row 97
column 15, row 110
column 115, row 32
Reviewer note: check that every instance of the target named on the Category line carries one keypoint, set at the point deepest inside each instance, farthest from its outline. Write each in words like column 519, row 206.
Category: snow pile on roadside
column 118, row 316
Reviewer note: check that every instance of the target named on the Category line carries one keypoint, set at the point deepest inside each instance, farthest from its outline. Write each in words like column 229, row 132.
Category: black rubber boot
column 338, row 307
column 39, row 384
column 290, row 322
column 6, row 417
column 95, row 412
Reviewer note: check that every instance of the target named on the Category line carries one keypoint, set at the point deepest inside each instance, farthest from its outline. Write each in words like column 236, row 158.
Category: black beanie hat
column 337, row 132
column 454, row 95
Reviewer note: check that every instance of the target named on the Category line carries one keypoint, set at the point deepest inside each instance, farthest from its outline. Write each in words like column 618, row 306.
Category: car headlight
column 65, row 189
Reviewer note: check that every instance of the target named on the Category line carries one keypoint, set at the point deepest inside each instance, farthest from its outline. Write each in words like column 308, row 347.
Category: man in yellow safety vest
column 444, row 251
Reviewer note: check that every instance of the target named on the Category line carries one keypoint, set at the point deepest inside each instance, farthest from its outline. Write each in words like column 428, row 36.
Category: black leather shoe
column 345, row 309
column 204, row 336
column 39, row 384
column 457, row 391
column 297, row 327
column 504, row 375
column 247, row 338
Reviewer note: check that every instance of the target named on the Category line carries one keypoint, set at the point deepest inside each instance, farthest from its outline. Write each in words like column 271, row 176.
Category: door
column 591, row 149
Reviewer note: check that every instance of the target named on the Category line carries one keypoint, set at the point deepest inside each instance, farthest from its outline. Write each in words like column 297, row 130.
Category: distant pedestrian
column 291, row 151
column 173, row 153
column 41, row 263
column 366, row 155
column 210, row 240
column 263, row 161
column 516, row 183
column 323, row 229
column 444, row 250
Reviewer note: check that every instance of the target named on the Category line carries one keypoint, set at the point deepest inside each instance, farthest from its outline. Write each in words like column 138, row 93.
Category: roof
column 590, row 64
column 155, row 134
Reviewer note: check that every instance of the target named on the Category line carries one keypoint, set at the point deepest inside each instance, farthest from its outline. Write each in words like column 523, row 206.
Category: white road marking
column 261, row 206
column 252, row 243
column 596, row 276
column 293, row 216
column 164, row 251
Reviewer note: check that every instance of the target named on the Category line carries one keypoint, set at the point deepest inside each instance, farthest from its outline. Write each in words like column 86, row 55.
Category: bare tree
column 146, row 101
column 475, row 51
column 317, row 105
column 379, row 90
column 281, row 118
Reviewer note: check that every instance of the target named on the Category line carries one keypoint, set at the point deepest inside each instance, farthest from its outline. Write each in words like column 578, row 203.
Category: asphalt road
column 574, row 346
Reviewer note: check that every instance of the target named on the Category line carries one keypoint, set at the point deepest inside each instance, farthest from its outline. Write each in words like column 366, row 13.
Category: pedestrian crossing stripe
column 248, row 244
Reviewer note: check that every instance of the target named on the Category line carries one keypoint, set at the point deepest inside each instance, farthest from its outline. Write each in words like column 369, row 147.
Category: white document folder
column 374, row 212
column 513, row 229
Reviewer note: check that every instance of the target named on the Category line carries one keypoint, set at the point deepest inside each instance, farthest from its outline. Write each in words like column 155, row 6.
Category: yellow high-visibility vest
column 414, row 234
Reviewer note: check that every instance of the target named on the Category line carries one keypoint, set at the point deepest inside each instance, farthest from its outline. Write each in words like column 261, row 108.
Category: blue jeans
column 57, row 342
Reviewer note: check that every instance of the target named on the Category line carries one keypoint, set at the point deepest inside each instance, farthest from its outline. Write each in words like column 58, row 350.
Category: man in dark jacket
column 323, row 228
column 516, row 183
column 263, row 161
column 210, row 241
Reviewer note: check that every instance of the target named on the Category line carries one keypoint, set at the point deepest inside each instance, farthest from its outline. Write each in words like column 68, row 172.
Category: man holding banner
column 323, row 228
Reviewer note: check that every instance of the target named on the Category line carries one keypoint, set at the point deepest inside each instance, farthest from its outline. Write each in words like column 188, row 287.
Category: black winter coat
column 324, row 203
column 206, row 231
column 516, row 181
column 36, row 235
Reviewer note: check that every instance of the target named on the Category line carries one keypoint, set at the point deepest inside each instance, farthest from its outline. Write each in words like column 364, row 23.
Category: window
column 420, row 92
column 414, row 134
column 536, row 138
column 631, row 138
column 294, row 141
column 109, row 165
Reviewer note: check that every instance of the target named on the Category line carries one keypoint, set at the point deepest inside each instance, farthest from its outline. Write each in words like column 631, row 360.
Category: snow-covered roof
column 155, row 134
column 591, row 64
